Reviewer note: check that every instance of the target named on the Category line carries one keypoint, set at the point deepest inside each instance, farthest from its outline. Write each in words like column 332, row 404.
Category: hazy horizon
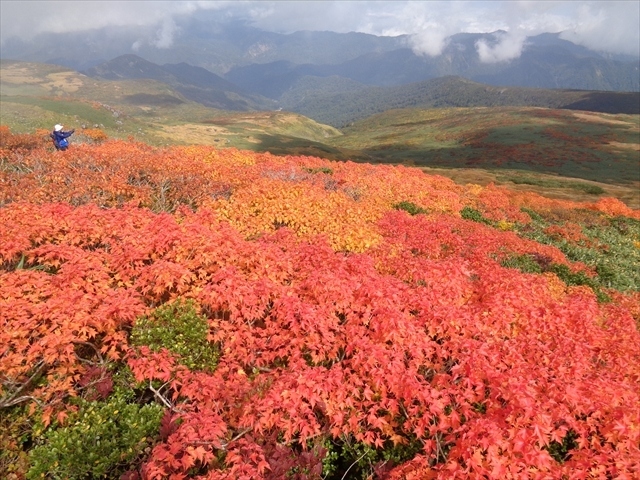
column 608, row 26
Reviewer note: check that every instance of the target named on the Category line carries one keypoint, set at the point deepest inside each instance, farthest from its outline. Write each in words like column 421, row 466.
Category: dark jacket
column 60, row 138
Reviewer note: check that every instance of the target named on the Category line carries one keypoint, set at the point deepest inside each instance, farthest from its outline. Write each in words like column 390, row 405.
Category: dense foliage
column 222, row 314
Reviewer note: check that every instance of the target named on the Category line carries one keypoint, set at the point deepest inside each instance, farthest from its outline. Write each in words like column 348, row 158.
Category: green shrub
column 611, row 248
column 180, row 329
column 590, row 189
column 571, row 278
column 534, row 263
column 474, row 215
column 579, row 278
column 524, row 263
column 617, row 259
column 532, row 214
column 346, row 458
column 560, row 452
column 410, row 208
column 102, row 439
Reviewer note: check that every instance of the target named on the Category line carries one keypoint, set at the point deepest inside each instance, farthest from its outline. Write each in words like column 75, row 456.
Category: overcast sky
column 601, row 25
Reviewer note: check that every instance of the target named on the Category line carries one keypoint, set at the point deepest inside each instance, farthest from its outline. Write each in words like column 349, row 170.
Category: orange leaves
column 336, row 316
column 496, row 203
column 614, row 207
column 94, row 134
column 21, row 142
column 165, row 279
column 570, row 231
column 147, row 365
column 269, row 204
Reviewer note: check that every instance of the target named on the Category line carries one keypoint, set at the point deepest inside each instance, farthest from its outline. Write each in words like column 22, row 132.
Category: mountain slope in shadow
column 195, row 83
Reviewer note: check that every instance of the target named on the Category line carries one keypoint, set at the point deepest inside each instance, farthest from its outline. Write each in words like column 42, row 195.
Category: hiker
column 60, row 137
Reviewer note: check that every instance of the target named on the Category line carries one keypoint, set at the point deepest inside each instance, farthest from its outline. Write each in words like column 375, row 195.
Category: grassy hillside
column 37, row 96
column 592, row 146
column 565, row 154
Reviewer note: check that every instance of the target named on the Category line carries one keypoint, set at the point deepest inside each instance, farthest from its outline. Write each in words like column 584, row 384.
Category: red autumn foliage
column 410, row 329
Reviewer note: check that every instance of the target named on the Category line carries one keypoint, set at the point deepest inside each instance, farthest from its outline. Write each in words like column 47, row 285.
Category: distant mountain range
column 337, row 78
column 546, row 62
column 194, row 83
column 228, row 48
column 336, row 100
column 205, row 41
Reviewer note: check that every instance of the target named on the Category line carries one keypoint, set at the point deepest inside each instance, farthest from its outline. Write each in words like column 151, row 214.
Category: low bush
column 180, row 329
column 410, row 208
column 474, row 215
column 101, row 439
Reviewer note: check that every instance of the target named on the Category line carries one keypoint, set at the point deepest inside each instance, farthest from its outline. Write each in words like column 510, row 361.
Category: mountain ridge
column 338, row 100
column 193, row 82
column 342, row 108
column 537, row 67
column 221, row 48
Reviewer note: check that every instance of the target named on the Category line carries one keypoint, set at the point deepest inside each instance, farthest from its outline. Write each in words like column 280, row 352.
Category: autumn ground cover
column 193, row 312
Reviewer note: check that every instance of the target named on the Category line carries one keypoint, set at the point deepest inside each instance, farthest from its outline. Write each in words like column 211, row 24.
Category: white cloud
column 429, row 41
column 26, row 19
column 610, row 27
column 164, row 38
column 605, row 25
column 507, row 47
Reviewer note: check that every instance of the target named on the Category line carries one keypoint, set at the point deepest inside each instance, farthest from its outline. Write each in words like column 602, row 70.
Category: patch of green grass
column 512, row 138
column 346, row 458
column 68, row 107
column 410, row 208
column 474, row 215
column 517, row 134
column 530, row 263
column 611, row 247
column 524, row 263
column 100, row 440
column 551, row 183
column 180, row 329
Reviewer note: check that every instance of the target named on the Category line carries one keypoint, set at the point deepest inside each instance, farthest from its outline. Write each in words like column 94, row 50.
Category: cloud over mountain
column 610, row 26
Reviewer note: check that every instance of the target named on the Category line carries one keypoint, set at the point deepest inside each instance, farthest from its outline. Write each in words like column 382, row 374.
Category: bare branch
column 12, row 398
column 15, row 401
column 163, row 399
column 350, row 466
column 239, row 435
column 95, row 349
